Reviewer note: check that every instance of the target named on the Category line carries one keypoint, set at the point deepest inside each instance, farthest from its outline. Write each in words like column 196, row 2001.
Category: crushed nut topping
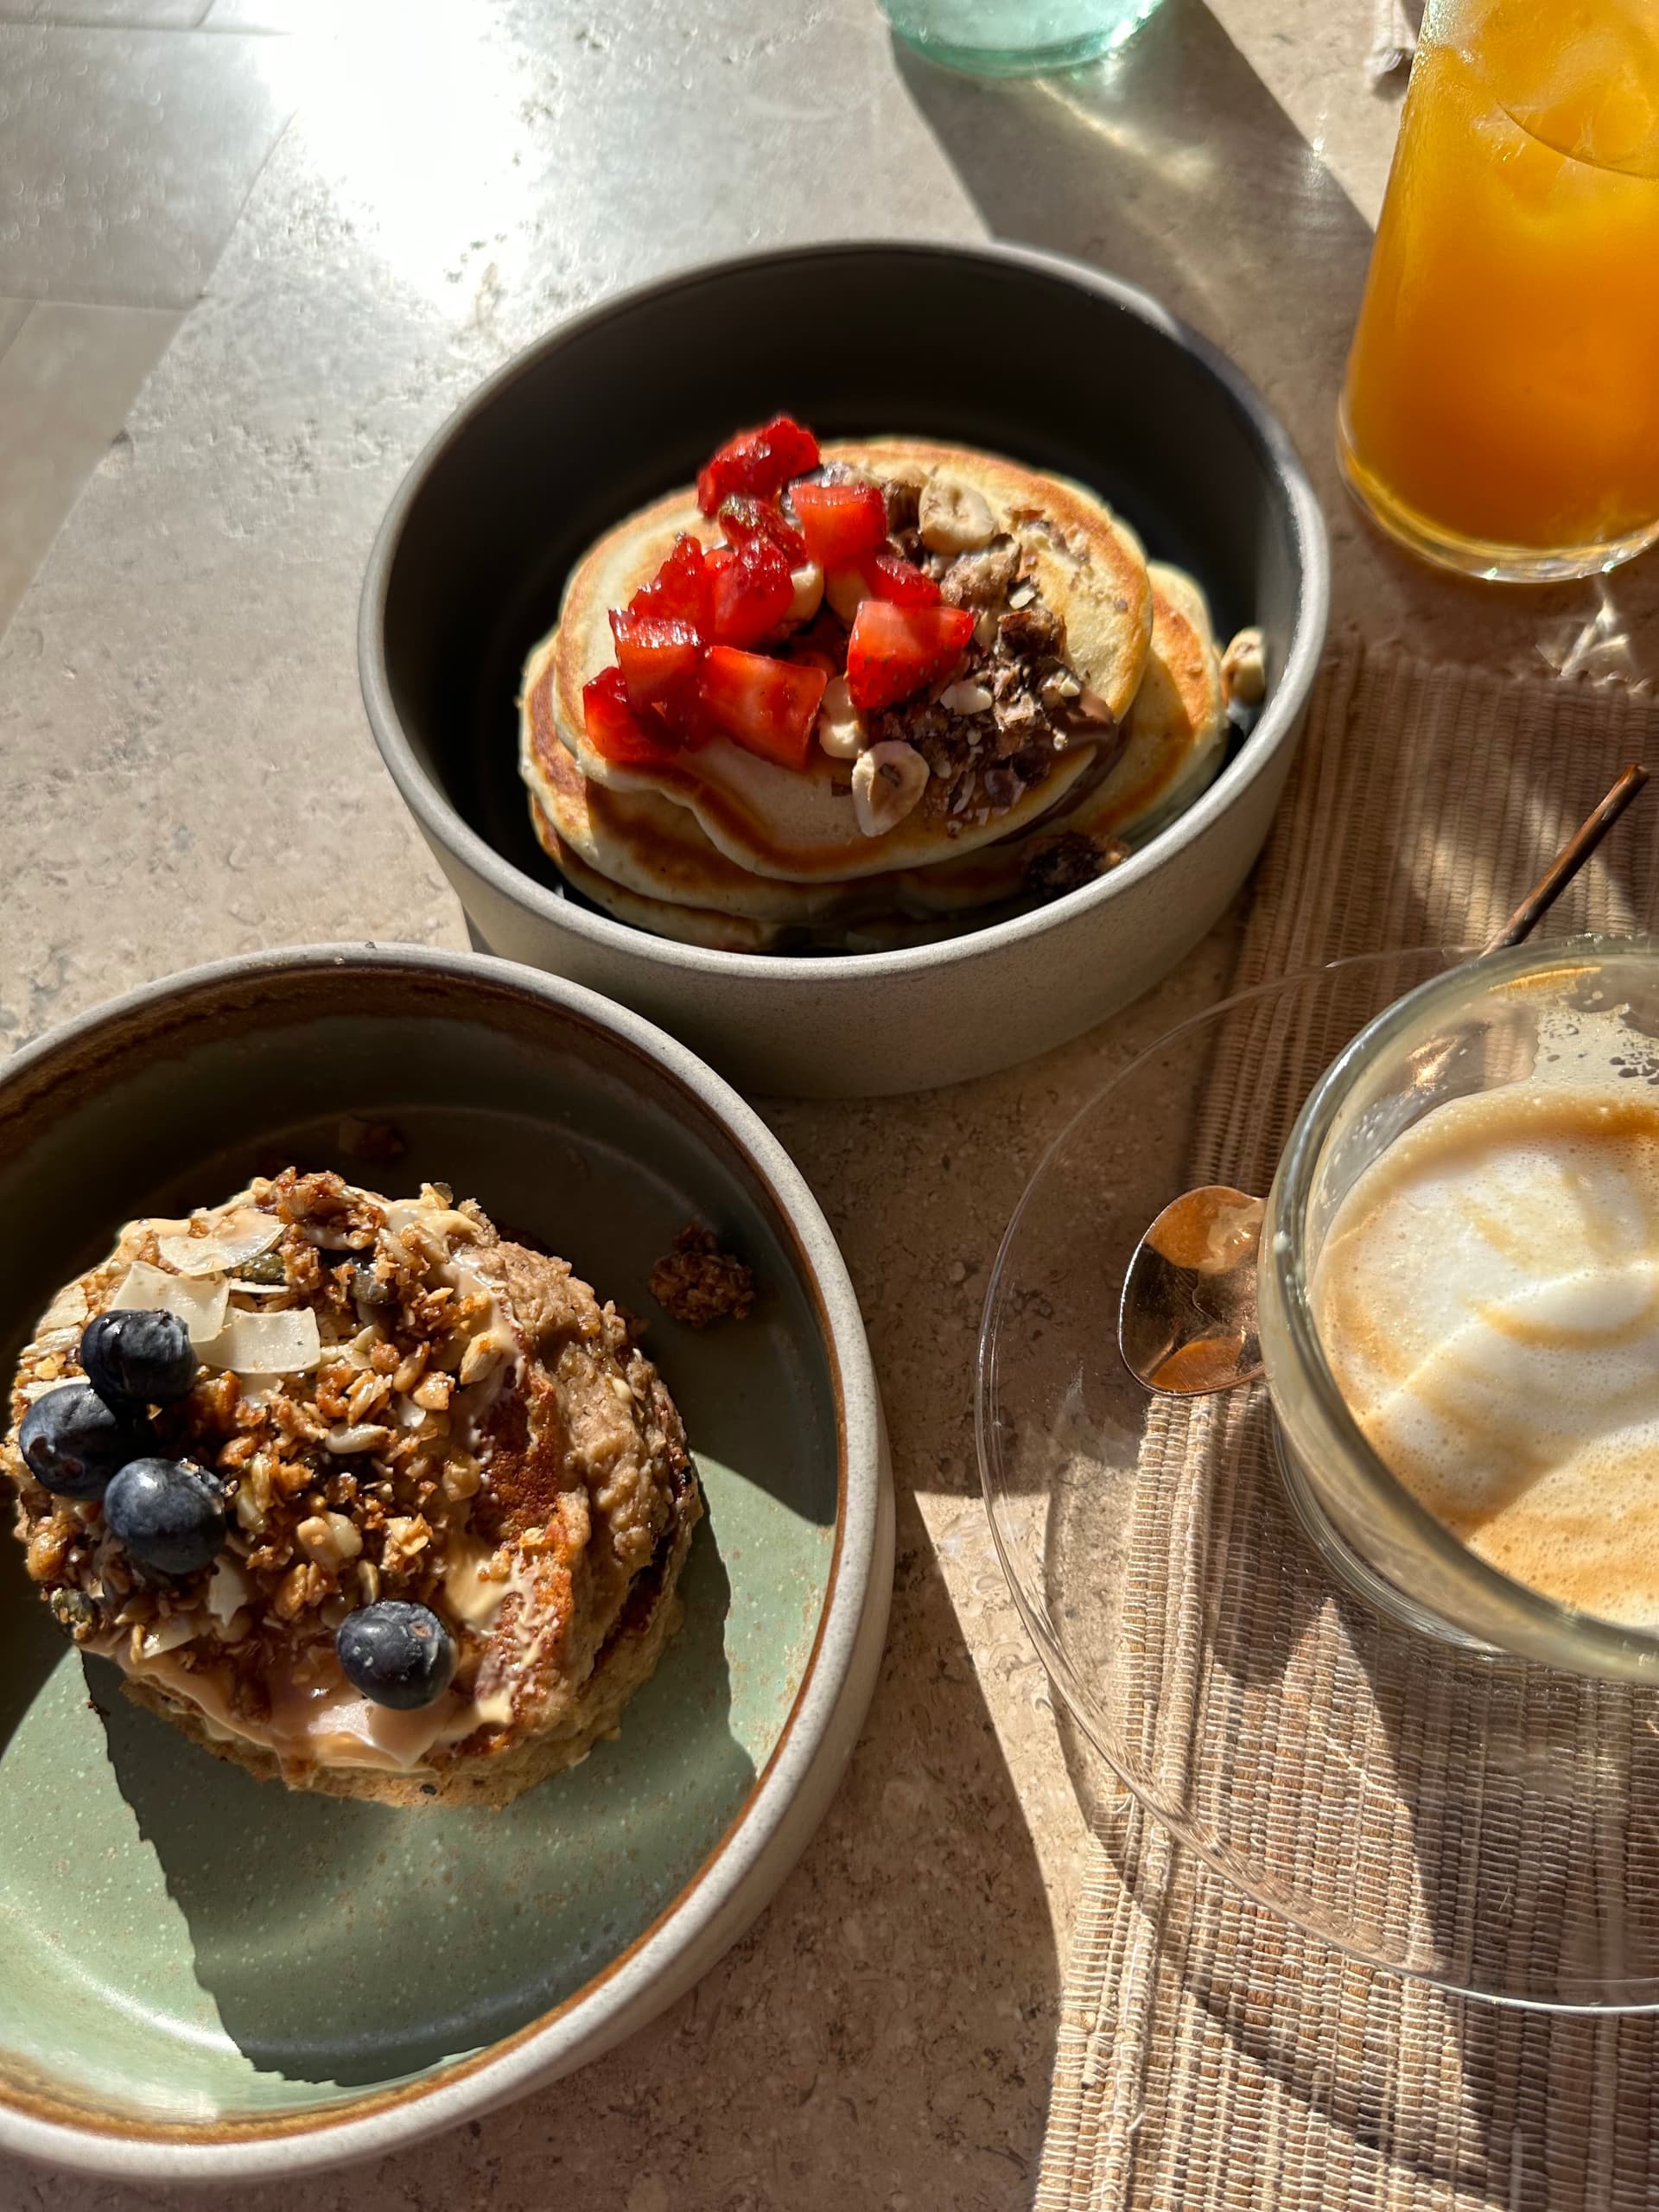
column 953, row 518
column 993, row 730
column 1068, row 860
column 888, row 781
column 982, row 580
column 699, row 1282
column 1244, row 670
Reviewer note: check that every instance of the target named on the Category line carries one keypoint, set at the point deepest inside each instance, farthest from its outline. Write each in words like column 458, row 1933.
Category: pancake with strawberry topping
column 909, row 650
column 647, row 861
column 863, row 694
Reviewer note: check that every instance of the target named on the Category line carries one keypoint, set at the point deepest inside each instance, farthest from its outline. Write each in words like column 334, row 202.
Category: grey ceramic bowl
column 1062, row 367
column 205, row 1976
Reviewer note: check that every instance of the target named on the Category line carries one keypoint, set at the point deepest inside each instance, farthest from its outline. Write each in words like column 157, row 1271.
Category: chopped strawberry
column 683, row 712
column 766, row 706
column 615, row 731
column 678, row 591
column 749, row 593
column 757, row 463
column 840, row 523
column 892, row 577
column 654, row 654
column 743, row 519
column 893, row 650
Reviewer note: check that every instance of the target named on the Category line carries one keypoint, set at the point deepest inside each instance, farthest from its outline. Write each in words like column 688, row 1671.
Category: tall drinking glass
column 1501, row 413
column 1015, row 38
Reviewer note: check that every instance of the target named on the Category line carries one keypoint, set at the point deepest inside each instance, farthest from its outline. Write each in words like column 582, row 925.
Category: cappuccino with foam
column 1487, row 1298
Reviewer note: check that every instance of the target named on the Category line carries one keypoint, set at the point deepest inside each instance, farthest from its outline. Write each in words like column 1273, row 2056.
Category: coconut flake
column 199, row 1301
column 240, row 1236
column 331, row 1236
column 227, row 1593
column 267, row 1343
column 362, row 1436
column 167, row 1635
column 56, row 1339
column 68, row 1310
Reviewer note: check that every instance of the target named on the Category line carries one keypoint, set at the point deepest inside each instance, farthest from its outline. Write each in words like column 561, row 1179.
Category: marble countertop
column 190, row 774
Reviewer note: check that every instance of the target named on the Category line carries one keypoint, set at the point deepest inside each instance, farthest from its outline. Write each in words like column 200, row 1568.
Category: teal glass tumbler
column 1015, row 38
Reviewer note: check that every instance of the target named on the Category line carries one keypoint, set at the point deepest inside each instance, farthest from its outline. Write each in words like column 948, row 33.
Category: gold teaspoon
column 1186, row 1323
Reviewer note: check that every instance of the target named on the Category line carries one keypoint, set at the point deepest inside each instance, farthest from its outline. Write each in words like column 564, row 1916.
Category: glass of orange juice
column 1501, row 411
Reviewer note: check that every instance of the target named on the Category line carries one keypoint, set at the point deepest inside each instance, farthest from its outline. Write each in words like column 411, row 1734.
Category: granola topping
column 699, row 1282
column 353, row 1402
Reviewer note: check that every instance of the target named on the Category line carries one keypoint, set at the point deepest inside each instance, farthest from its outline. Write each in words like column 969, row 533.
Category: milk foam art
column 1487, row 1297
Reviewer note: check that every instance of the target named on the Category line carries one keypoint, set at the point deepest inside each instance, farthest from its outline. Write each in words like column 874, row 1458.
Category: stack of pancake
column 716, row 846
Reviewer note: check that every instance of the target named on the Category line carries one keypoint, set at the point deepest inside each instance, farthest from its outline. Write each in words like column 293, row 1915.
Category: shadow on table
column 882, row 2037
column 1173, row 166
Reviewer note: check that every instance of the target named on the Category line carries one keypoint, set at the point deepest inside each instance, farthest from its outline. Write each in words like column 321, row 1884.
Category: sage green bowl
column 203, row 1976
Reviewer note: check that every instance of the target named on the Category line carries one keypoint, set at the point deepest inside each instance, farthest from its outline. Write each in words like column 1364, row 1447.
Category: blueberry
column 166, row 1515
column 395, row 1653
column 139, row 1357
column 73, row 1442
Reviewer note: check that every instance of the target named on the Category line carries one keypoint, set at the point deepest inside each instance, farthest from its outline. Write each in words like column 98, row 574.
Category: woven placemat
column 1208, row 2055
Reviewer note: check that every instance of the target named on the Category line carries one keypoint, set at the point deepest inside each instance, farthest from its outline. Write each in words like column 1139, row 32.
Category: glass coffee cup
column 1568, row 1025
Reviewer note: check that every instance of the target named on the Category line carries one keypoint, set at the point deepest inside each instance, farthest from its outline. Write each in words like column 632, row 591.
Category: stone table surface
column 189, row 774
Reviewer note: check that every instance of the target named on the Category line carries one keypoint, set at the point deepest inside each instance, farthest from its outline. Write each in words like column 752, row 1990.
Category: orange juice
column 1502, row 407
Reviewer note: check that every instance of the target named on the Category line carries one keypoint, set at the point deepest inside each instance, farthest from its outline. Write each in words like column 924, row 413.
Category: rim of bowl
column 1557, row 1634
column 394, row 2118
column 446, row 827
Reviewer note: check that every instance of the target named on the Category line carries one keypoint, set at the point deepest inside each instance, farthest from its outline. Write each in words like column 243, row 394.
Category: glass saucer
column 1424, row 1806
